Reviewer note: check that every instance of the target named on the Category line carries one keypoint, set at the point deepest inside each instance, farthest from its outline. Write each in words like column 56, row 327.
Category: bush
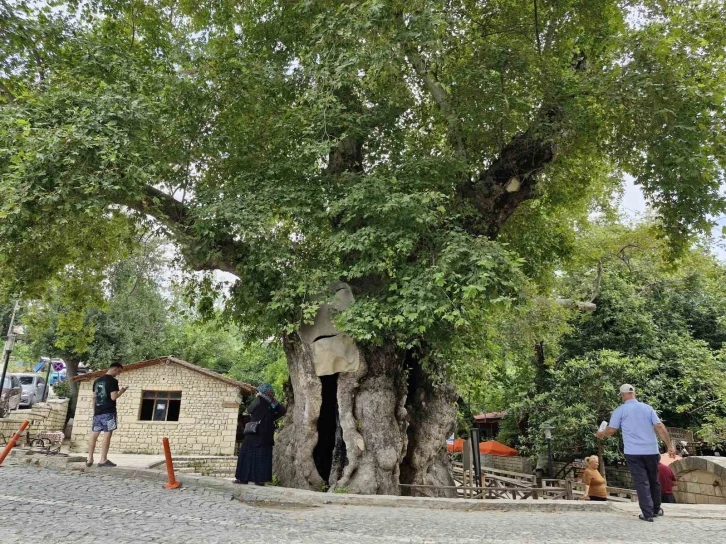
column 62, row 390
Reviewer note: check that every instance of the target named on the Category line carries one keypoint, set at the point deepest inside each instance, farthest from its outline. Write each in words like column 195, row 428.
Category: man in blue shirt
column 639, row 424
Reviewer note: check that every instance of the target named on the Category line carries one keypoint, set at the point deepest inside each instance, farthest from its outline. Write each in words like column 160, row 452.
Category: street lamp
column 548, row 436
column 10, row 342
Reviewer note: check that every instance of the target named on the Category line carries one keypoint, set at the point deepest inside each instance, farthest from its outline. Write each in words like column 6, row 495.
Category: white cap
column 626, row 388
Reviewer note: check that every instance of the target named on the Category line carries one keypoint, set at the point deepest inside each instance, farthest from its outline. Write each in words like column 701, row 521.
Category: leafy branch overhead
column 658, row 326
column 434, row 155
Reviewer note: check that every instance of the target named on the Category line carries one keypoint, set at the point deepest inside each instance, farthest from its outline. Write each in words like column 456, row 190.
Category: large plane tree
column 378, row 175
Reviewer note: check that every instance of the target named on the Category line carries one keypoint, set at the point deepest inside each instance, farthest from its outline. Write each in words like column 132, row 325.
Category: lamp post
column 47, row 380
column 9, row 345
column 548, row 436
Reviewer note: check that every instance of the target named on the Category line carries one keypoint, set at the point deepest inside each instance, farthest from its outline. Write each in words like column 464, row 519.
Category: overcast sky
column 634, row 205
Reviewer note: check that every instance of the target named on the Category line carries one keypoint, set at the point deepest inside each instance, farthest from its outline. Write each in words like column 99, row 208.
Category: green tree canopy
column 131, row 314
column 433, row 155
column 659, row 325
column 383, row 143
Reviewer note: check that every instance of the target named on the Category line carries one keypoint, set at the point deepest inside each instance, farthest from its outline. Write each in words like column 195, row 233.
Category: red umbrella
column 492, row 447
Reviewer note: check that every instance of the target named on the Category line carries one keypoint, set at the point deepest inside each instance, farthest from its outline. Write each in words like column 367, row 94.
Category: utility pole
column 10, row 342
column 47, row 380
column 548, row 436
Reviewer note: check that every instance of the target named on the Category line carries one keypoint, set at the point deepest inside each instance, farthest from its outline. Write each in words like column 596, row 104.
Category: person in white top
column 639, row 424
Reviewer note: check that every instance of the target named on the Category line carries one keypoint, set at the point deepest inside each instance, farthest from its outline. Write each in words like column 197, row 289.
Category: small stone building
column 701, row 480
column 197, row 409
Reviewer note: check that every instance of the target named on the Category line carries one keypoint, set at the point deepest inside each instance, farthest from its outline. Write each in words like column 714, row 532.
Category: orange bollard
column 172, row 483
column 10, row 445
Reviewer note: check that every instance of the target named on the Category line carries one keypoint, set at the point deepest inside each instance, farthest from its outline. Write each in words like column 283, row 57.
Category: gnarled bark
column 432, row 413
column 350, row 431
column 294, row 464
column 511, row 178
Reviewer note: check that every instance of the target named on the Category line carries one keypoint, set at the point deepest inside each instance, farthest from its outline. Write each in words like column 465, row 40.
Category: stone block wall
column 512, row 464
column 615, row 476
column 701, row 480
column 221, row 467
column 43, row 417
column 619, row 477
column 207, row 420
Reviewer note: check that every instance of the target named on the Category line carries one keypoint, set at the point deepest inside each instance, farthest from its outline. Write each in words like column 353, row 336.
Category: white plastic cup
column 603, row 426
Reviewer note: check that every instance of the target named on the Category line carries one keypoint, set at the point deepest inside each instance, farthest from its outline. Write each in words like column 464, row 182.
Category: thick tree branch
column 536, row 28
column 571, row 304
column 581, row 306
column 345, row 156
column 442, row 99
column 598, row 282
column 347, row 153
column 163, row 207
column 511, row 178
column 223, row 252
column 6, row 92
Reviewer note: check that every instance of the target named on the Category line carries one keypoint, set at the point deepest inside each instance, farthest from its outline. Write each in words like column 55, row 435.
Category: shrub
column 62, row 390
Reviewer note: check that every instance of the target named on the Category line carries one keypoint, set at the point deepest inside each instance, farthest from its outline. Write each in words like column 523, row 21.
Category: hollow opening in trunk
column 415, row 378
column 329, row 453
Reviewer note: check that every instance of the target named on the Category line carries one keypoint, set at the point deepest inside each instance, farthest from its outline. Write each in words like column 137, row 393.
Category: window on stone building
column 160, row 406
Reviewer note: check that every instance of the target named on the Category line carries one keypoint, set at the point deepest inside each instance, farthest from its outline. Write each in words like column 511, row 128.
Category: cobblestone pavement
column 42, row 505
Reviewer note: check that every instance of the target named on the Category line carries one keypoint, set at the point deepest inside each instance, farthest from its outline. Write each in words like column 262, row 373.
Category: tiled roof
column 490, row 416
column 171, row 360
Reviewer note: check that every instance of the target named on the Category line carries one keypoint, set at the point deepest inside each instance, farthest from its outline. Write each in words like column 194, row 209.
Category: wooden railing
column 615, row 494
column 517, row 476
column 505, row 484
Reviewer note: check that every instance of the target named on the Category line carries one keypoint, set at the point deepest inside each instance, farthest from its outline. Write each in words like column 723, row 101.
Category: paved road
column 93, row 508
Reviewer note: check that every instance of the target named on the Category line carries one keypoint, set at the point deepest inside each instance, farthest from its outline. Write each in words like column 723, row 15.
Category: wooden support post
column 601, row 459
column 468, row 474
column 483, row 484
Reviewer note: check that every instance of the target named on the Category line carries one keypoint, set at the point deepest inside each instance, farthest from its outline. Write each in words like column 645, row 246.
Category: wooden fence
column 503, row 484
column 616, row 494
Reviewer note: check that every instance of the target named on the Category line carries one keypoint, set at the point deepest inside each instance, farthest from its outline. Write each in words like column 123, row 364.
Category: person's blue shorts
column 104, row 423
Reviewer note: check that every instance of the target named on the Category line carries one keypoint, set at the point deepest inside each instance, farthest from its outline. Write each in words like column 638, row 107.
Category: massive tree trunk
column 365, row 431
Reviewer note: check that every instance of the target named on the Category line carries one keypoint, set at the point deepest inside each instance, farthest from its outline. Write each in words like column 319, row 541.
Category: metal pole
column 47, row 379
column 8, row 346
column 475, row 452
column 549, row 454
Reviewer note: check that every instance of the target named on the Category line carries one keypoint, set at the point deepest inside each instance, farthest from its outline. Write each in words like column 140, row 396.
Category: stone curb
column 251, row 494
column 680, row 511
column 281, row 496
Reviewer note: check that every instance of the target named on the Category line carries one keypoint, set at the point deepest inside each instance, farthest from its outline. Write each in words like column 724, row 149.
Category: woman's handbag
column 251, row 427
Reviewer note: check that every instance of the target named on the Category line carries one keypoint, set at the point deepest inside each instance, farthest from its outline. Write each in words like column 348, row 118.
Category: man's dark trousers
column 644, row 470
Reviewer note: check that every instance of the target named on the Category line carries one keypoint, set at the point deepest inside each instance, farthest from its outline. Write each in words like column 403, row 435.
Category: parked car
column 10, row 395
column 33, row 388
